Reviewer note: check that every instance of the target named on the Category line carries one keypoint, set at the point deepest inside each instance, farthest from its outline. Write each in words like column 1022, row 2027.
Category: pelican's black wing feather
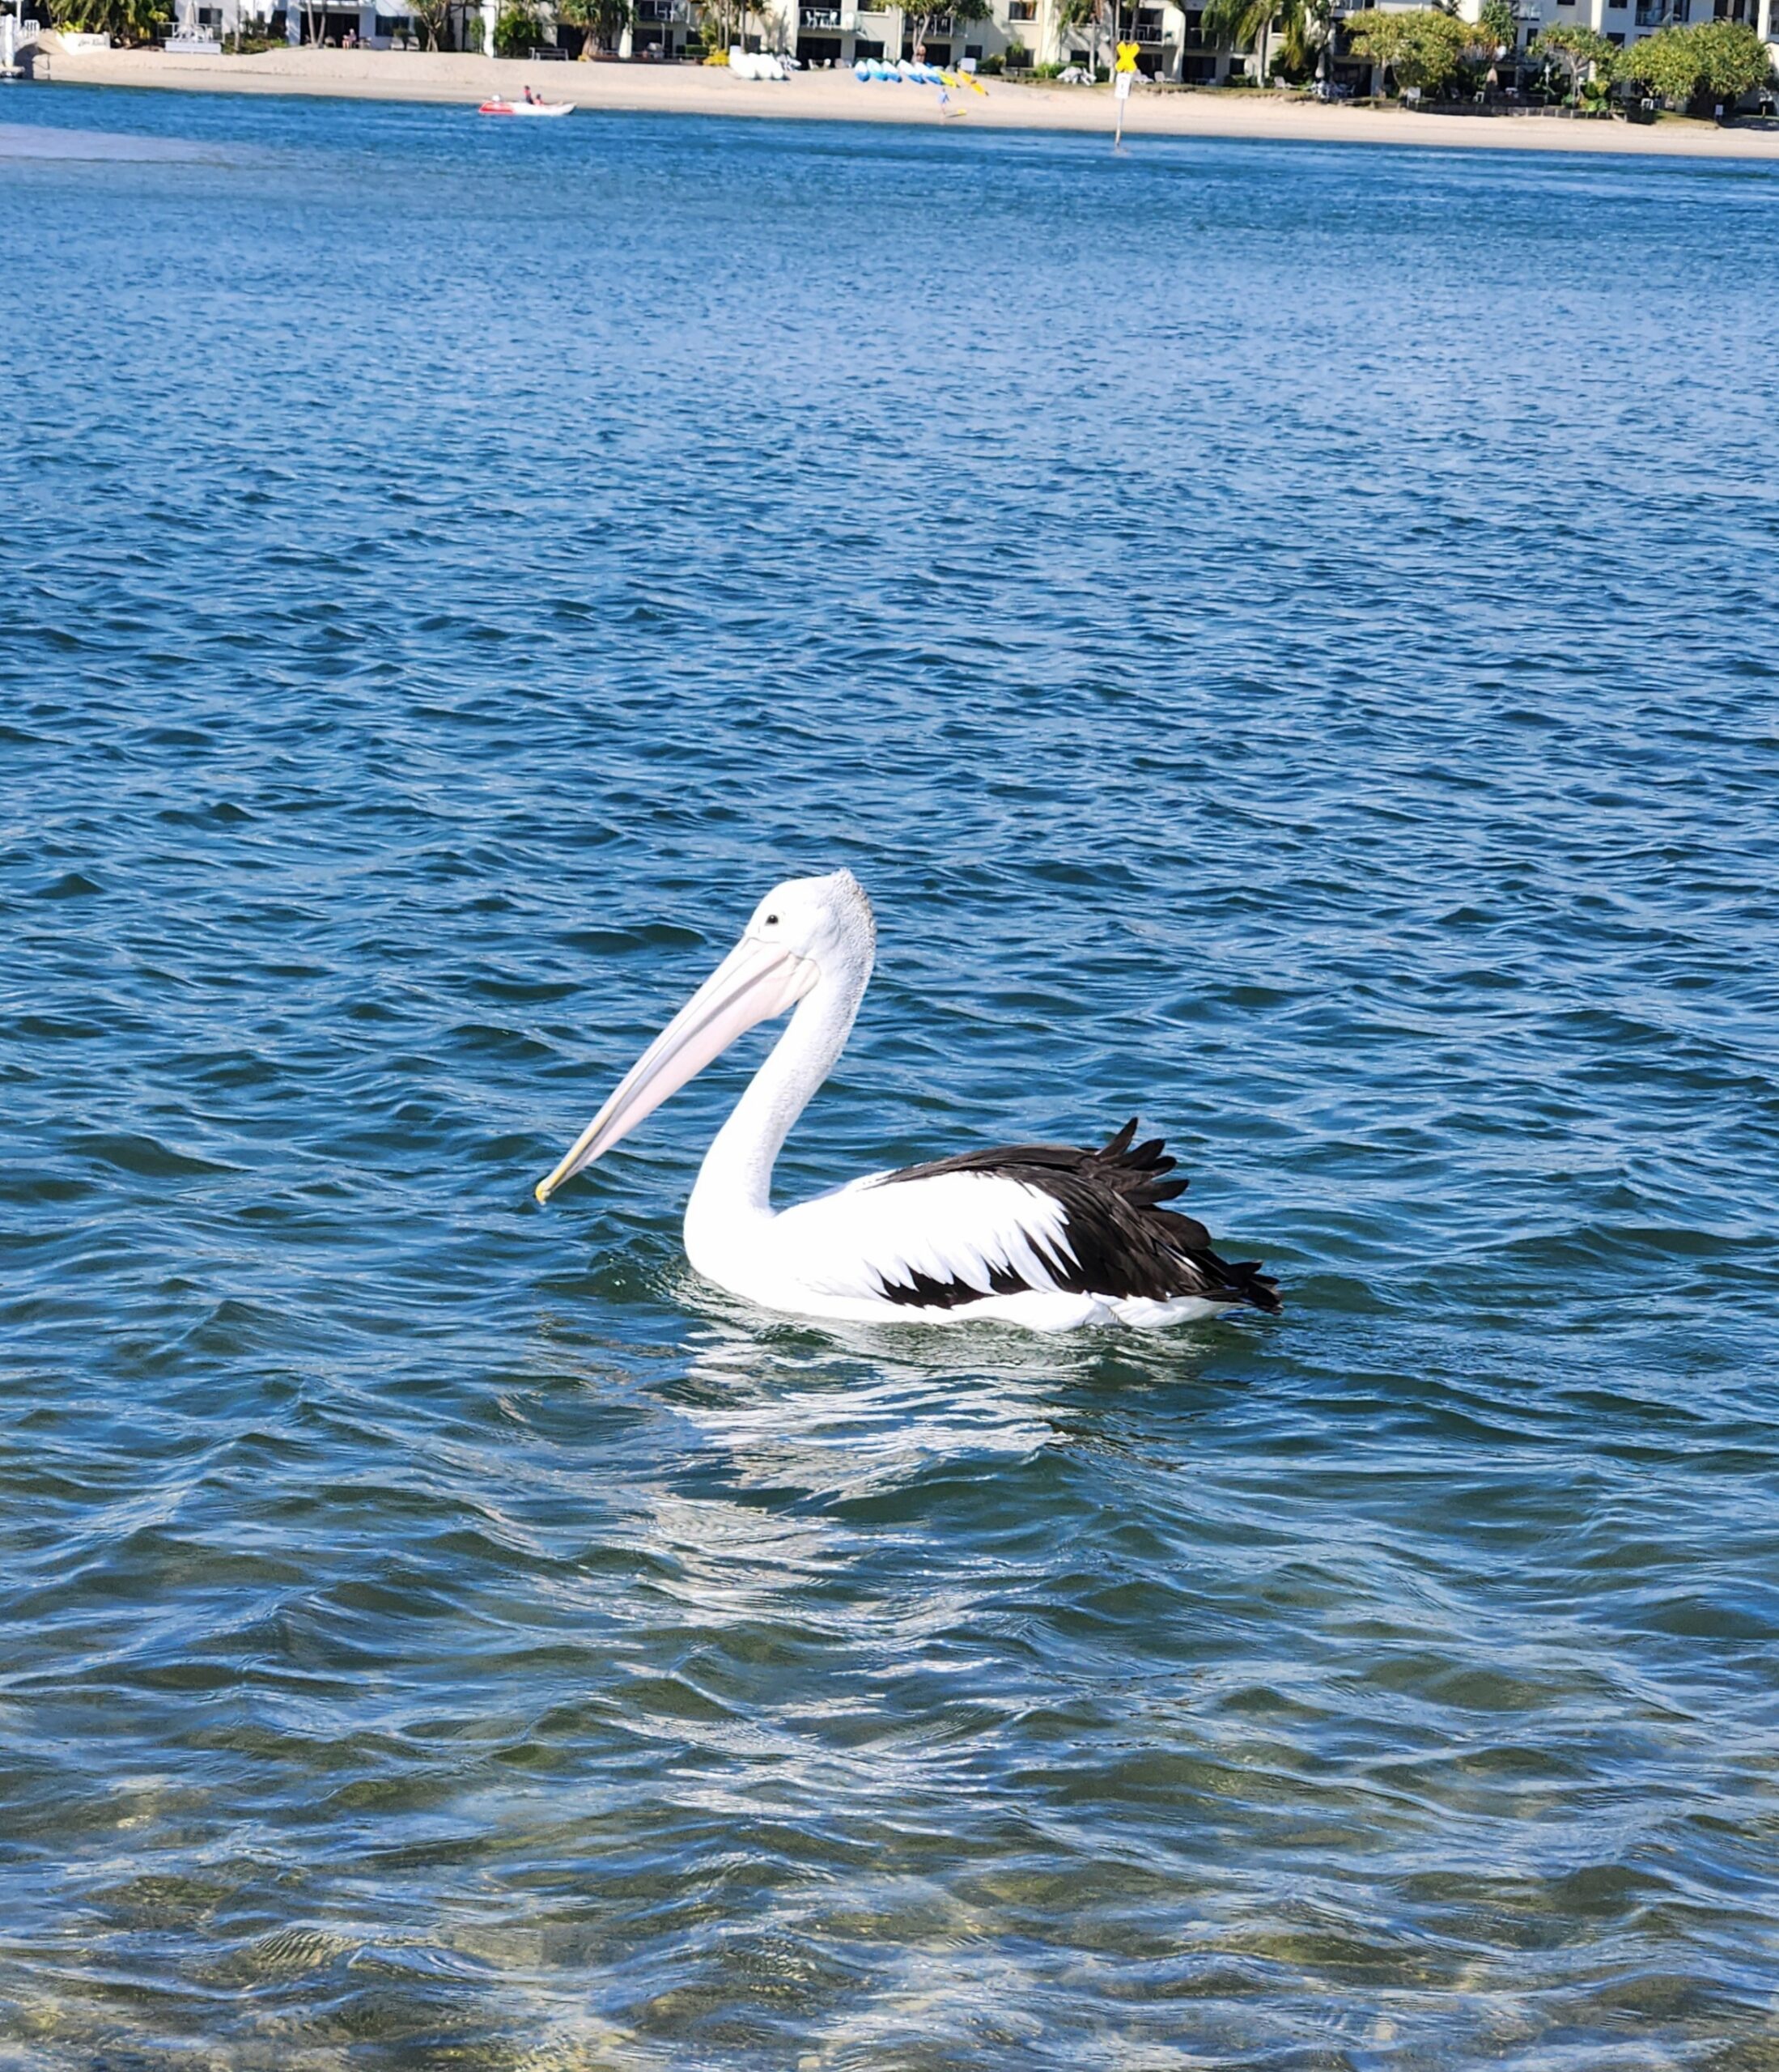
column 1125, row 1242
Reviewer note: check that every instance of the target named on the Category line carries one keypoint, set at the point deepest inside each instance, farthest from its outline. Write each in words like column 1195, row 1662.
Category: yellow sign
column 1127, row 56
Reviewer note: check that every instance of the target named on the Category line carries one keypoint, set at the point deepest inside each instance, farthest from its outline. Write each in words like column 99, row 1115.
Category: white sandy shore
column 836, row 96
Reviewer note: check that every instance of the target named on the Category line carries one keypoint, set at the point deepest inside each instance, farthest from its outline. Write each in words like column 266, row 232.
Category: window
column 1022, row 10
column 1617, row 38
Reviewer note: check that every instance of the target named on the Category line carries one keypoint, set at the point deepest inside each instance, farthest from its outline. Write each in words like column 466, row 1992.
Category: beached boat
column 497, row 106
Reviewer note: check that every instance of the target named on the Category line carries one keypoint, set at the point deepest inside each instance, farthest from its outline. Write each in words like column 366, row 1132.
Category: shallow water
column 1285, row 635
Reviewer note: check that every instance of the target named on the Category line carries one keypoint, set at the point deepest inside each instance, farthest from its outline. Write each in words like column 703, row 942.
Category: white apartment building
column 1027, row 31
column 1017, row 32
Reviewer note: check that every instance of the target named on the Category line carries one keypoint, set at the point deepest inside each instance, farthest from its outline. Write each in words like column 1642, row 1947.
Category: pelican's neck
column 735, row 1181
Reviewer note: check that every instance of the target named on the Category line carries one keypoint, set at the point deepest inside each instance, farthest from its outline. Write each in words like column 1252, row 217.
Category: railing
column 818, row 18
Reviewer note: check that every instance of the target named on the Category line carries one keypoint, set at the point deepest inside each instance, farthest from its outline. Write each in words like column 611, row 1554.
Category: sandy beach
column 641, row 88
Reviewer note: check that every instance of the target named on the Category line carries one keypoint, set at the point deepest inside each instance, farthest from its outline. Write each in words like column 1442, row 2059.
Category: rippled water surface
column 1287, row 638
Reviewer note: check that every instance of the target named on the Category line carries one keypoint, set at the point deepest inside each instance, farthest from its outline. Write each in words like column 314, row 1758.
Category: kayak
column 499, row 107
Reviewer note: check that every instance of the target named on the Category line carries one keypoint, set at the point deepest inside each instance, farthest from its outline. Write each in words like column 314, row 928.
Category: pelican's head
column 803, row 931
column 826, row 921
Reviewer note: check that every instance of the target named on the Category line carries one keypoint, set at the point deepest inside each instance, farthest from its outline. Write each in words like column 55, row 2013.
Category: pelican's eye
column 771, row 920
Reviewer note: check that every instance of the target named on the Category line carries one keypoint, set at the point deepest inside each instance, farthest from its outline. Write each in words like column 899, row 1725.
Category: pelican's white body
column 811, row 944
column 830, row 1258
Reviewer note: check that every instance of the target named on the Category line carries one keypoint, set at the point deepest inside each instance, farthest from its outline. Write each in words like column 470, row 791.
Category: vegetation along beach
column 662, row 778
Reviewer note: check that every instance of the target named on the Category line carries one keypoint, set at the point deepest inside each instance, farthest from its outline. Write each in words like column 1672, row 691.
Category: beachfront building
column 1024, row 33
column 1017, row 35
column 376, row 27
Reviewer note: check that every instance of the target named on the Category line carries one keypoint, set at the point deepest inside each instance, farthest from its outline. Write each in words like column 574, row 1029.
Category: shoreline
column 639, row 87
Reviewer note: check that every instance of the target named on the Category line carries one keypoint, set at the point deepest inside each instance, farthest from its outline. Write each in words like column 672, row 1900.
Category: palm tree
column 601, row 22
column 1083, row 15
column 1302, row 25
column 724, row 23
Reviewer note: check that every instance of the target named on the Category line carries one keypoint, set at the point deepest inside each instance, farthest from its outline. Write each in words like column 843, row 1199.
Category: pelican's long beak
column 754, row 982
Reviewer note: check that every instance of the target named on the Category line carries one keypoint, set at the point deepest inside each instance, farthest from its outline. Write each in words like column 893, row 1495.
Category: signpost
column 1122, row 73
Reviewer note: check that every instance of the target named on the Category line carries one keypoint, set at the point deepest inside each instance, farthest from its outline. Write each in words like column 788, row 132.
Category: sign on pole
column 1122, row 73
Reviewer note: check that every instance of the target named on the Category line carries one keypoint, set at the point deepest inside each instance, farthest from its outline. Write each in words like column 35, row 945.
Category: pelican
column 1042, row 1235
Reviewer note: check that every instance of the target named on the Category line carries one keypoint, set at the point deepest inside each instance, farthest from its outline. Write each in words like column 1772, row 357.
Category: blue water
column 1286, row 637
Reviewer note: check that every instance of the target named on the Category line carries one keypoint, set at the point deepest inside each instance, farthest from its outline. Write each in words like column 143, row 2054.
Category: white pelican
column 1038, row 1235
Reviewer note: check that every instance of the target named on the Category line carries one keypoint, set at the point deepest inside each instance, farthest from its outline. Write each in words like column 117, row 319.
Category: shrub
column 516, row 31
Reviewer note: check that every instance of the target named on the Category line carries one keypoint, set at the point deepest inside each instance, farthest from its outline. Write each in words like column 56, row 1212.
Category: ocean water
column 1286, row 636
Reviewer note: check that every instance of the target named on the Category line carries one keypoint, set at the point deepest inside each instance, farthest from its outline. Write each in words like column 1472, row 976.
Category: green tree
column 1241, row 25
column 1712, row 62
column 1664, row 65
column 1735, row 59
column 601, row 23
column 1305, row 30
column 434, row 19
column 1421, row 46
column 724, row 23
column 515, row 30
column 1301, row 27
column 124, row 21
column 1500, row 31
column 1575, row 50
column 1085, row 19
